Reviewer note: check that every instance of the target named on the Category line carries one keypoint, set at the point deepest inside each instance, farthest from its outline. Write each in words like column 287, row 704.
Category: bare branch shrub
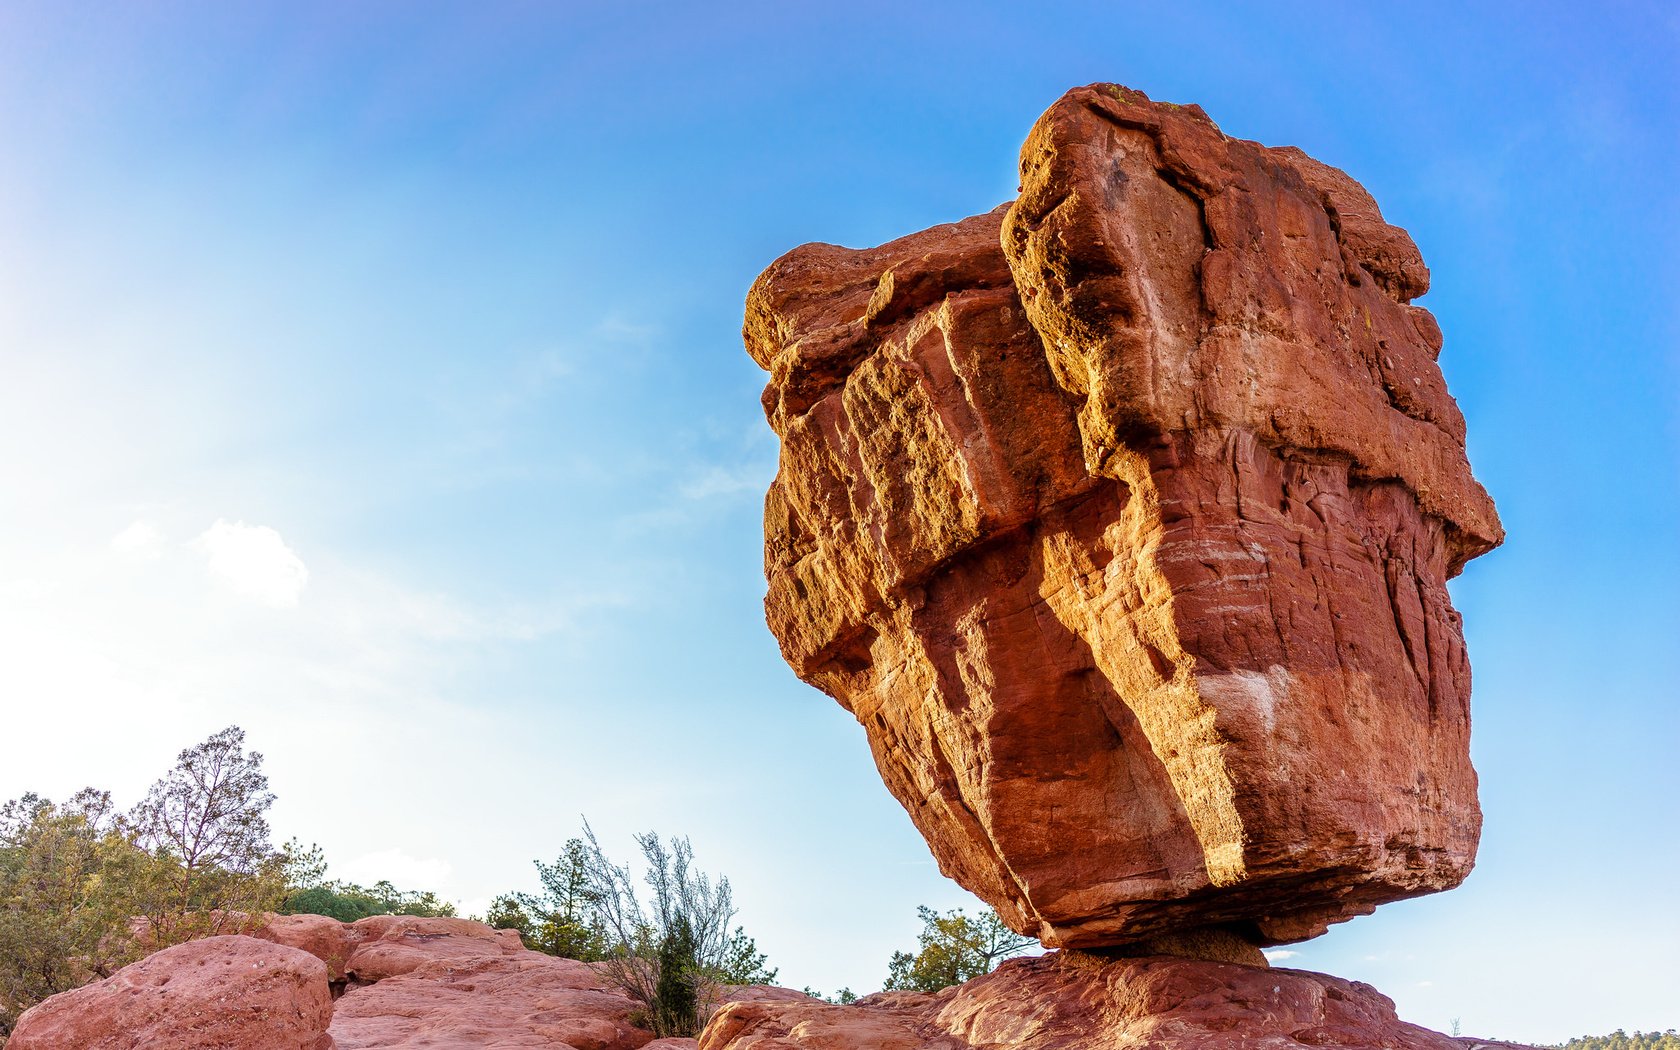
column 668, row 953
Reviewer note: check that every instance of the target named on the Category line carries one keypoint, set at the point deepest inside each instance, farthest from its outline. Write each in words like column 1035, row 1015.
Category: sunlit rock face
column 1121, row 518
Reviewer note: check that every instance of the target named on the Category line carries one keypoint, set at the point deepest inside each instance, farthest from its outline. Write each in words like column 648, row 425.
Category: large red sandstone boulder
column 326, row 938
column 1069, row 1001
column 520, row 999
column 1121, row 518
column 392, row 945
column 221, row 993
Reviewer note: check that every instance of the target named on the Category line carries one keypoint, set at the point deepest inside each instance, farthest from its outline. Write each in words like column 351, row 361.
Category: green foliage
column 676, row 999
column 85, row 890
column 562, row 919
column 1620, row 1040
column 206, row 821
column 347, row 902
column 954, row 949
column 742, row 963
column 69, row 875
column 671, row 953
column 310, row 892
column 669, row 956
column 844, row 997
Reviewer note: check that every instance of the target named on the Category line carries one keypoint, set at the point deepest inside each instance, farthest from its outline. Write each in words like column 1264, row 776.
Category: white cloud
column 254, row 561
column 398, row 868
column 141, row 541
column 1279, row 954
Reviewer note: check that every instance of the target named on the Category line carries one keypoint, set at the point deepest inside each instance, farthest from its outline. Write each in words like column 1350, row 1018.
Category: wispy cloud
column 715, row 481
column 1277, row 955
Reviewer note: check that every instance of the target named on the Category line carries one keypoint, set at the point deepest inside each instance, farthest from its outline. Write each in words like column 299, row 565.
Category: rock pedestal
column 1069, row 1001
column 1121, row 518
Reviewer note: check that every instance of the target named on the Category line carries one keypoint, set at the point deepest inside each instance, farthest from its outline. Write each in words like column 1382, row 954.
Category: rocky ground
column 306, row 982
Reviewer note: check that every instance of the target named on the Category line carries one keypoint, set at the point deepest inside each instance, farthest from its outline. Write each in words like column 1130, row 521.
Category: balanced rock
column 220, row 993
column 1121, row 518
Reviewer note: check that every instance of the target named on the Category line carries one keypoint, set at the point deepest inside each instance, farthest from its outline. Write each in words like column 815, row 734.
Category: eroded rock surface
column 1069, row 1001
column 523, row 999
column 401, row 981
column 221, row 993
column 1121, row 518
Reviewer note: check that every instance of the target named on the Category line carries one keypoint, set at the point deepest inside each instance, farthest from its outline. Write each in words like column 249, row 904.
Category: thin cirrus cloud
column 253, row 561
column 717, row 481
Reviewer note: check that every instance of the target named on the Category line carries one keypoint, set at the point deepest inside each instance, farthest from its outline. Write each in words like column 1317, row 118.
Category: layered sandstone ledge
column 1121, row 518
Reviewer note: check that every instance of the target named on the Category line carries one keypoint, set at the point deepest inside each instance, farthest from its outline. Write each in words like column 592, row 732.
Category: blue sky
column 372, row 378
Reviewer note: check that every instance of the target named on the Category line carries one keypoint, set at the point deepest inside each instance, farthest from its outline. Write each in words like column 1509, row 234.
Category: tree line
column 1620, row 1040
column 86, row 888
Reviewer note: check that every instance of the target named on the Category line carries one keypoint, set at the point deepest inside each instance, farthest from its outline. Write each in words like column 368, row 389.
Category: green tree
column 743, row 963
column 1620, row 1040
column 671, row 953
column 676, row 996
column 348, row 902
column 310, row 892
column 71, row 878
column 208, row 817
column 953, row 948
column 562, row 920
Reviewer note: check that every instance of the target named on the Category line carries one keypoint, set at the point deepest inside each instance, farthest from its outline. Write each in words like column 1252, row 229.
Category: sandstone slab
column 392, row 945
column 1121, row 519
column 324, row 937
column 520, row 999
column 220, row 993
column 1070, row 1001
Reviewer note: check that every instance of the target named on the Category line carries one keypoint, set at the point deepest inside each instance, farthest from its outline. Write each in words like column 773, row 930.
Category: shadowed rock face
column 1121, row 518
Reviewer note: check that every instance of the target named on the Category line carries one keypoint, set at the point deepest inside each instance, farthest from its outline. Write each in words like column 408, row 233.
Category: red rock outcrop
column 393, row 945
column 221, row 993
column 327, row 939
column 1121, row 518
column 520, row 999
column 405, row 982
column 1070, row 1001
